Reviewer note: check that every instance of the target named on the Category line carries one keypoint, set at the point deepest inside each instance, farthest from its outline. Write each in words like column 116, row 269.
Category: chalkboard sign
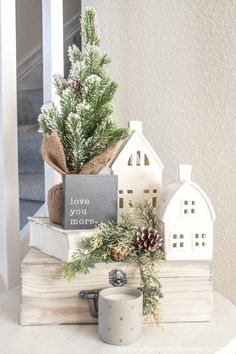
column 89, row 200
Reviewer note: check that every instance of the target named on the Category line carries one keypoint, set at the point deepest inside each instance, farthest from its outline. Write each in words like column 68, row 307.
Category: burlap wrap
column 56, row 204
column 53, row 153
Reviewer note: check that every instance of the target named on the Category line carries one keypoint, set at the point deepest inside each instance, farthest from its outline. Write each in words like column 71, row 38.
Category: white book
column 53, row 240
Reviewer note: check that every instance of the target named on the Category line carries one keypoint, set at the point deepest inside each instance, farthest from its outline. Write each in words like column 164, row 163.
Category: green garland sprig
column 141, row 245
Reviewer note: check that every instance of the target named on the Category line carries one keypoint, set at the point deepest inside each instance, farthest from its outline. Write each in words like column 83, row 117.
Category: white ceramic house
column 139, row 170
column 188, row 218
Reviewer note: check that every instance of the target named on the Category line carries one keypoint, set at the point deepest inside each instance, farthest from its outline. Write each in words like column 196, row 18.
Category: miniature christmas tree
column 83, row 121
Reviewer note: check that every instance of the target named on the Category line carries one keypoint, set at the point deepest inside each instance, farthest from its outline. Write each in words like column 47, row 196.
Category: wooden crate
column 47, row 298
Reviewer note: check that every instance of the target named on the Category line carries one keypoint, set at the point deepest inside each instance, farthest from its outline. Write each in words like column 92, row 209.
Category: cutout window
column 154, row 202
column 200, row 240
column 146, row 160
column 121, row 203
column 188, row 207
column 178, row 241
column 154, row 190
column 130, row 161
column 120, row 191
column 138, row 158
column 146, row 191
column 129, row 191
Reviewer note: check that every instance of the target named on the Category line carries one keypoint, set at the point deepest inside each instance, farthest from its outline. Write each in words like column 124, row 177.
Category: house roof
column 145, row 141
column 173, row 189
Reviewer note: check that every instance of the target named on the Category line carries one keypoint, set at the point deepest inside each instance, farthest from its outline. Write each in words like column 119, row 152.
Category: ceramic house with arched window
column 139, row 170
column 188, row 218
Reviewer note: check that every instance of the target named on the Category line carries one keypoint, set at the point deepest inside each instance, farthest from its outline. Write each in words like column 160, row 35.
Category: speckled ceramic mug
column 120, row 315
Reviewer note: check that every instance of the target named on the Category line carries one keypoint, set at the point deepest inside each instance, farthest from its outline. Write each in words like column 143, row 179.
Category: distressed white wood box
column 53, row 240
column 47, row 298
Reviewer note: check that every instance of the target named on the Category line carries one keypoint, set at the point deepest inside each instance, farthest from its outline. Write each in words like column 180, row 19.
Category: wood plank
column 53, row 302
column 50, row 286
column 167, row 268
column 102, row 271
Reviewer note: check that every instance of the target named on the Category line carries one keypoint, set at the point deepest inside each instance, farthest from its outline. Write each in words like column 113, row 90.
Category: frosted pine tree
column 83, row 121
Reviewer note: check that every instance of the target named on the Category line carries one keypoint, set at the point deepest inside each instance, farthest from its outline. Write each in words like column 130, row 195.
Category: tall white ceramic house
column 139, row 170
column 188, row 218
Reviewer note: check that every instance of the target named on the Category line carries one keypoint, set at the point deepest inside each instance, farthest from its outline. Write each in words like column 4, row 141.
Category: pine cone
column 119, row 257
column 148, row 239
column 74, row 85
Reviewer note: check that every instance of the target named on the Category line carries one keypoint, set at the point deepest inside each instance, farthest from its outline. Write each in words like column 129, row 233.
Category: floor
column 182, row 338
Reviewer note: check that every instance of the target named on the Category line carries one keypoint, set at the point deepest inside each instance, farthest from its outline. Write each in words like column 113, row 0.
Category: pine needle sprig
column 60, row 84
column 146, row 215
column 120, row 238
column 74, row 54
column 89, row 26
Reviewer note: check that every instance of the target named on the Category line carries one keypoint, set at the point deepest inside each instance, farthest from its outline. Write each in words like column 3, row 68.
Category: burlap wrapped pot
column 53, row 153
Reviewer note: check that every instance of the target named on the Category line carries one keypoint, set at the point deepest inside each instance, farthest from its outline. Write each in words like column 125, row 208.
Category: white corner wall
column 174, row 62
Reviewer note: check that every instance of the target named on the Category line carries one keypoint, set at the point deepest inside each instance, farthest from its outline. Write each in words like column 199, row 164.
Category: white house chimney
column 135, row 125
column 184, row 173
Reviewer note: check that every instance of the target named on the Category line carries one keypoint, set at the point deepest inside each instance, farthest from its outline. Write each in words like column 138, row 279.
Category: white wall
column 175, row 65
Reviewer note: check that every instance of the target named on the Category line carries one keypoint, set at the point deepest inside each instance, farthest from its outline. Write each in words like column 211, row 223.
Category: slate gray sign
column 89, row 200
